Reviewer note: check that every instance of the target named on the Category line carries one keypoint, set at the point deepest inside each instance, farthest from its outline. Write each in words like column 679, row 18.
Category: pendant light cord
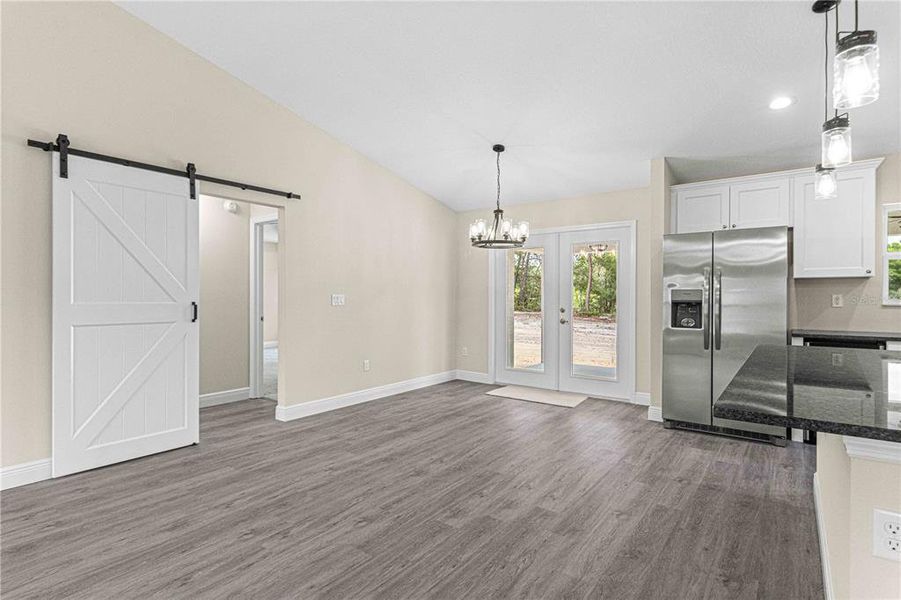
column 836, row 45
column 855, row 15
column 498, row 180
column 826, row 69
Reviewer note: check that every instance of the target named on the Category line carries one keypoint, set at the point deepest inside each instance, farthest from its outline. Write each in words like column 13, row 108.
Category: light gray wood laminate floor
column 444, row 492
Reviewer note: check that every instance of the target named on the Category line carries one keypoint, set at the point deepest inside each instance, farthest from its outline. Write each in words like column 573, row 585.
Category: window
column 891, row 288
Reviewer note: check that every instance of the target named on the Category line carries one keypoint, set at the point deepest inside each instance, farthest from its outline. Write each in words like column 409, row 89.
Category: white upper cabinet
column 765, row 203
column 836, row 237
column 831, row 238
column 701, row 209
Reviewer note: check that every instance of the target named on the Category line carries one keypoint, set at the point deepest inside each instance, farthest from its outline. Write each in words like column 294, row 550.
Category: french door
column 125, row 330
column 564, row 313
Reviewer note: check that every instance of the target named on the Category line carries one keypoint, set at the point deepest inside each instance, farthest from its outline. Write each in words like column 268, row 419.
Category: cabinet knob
column 724, row 226
column 869, row 271
column 733, row 226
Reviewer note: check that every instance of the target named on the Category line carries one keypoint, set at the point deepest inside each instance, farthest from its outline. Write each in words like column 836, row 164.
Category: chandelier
column 502, row 233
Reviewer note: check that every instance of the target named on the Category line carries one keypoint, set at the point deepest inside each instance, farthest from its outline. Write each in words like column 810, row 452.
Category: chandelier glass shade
column 501, row 233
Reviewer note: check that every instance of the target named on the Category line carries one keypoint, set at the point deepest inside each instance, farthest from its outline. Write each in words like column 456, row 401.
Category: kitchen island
column 846, row 391
column 853, row 397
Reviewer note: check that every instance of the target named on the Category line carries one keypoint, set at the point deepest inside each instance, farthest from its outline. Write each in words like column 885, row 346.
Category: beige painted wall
column 224, row 296
column 850, row 488
column 472, row 268
column 863, row 309
column 117, row 86
column 270, row 292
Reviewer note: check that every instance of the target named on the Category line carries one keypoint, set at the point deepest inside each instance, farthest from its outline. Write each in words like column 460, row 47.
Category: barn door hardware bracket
column 192, row 179
column 62, row 146
column 62, row 140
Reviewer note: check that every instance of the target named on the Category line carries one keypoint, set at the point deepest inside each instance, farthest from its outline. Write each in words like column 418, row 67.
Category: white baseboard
column 314, row 407
column 273, row 344
column 25, row 473
column 821, row 534
column 224, row 397
column 474, row 376
column 641, row 398
column 655, row 413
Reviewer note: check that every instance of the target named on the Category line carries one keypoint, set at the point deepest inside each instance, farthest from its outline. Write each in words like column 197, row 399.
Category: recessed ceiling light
column 780, row 102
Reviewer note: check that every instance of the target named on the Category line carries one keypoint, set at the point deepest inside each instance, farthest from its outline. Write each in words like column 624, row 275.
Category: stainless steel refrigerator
column 725, row 293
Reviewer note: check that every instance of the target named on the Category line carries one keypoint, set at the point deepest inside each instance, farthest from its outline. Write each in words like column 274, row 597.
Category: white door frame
column 255, row 328
column 629, row 266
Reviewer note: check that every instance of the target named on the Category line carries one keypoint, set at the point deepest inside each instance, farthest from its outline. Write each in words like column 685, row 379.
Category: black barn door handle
column 194, row 310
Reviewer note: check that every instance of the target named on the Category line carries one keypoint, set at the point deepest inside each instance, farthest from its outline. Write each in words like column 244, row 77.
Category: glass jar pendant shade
column 855, row 71
column 826, row 185
column 502, row 233
column 836, row 142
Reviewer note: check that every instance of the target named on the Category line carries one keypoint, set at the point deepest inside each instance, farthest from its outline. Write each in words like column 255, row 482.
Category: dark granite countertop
column 835, row 390
column 847, row 335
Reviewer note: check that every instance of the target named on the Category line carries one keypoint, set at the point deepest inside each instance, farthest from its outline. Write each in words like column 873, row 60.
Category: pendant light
column 836, row 136
column 502, row 233
column 836, row 142
column 826, row 186
column 855, row 69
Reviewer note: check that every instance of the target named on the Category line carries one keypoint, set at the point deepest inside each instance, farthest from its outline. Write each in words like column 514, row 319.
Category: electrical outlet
column 464, row 351
column 886, row 534
column 838, row 301
column 337, row 299
column 366, row 365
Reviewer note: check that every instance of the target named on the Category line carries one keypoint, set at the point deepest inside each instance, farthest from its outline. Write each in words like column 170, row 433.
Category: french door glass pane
column 525, row 300
column 594, row 267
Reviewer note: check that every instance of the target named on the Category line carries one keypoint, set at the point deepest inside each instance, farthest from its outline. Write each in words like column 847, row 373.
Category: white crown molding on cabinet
column 25, row 473
column 224, row 397
column 314, row 407
column 868, row 449
column 655, row 413
column 821, row 535
column 871, row 163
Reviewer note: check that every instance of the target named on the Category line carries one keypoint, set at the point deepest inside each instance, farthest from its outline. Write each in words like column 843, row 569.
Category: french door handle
column 563, row 321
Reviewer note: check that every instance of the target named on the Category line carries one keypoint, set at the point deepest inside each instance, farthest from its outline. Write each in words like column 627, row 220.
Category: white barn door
column 125, row 337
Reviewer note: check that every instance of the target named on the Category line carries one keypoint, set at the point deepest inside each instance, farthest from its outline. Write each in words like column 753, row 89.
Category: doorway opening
column 564, row 311
column 239, row 282
column 264, row 280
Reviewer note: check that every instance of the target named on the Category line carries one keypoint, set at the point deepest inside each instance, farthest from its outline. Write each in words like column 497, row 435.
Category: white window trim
column 886, row 255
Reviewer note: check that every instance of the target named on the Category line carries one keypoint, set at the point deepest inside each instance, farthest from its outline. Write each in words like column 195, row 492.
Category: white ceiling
column 582, row 94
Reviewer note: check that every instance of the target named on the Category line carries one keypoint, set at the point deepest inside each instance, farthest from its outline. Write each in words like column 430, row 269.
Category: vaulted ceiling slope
column 582, row 94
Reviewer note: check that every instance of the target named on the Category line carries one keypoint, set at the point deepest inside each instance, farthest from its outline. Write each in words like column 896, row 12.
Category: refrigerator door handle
column 705, row 308
column 718, row 309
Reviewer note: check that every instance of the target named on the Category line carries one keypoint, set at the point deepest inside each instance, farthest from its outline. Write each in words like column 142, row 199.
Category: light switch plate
column 338, row 300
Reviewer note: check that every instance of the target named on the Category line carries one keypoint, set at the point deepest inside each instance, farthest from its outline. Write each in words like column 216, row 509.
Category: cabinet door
column 704, row 209
column 836, row 237
column 762, row 203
